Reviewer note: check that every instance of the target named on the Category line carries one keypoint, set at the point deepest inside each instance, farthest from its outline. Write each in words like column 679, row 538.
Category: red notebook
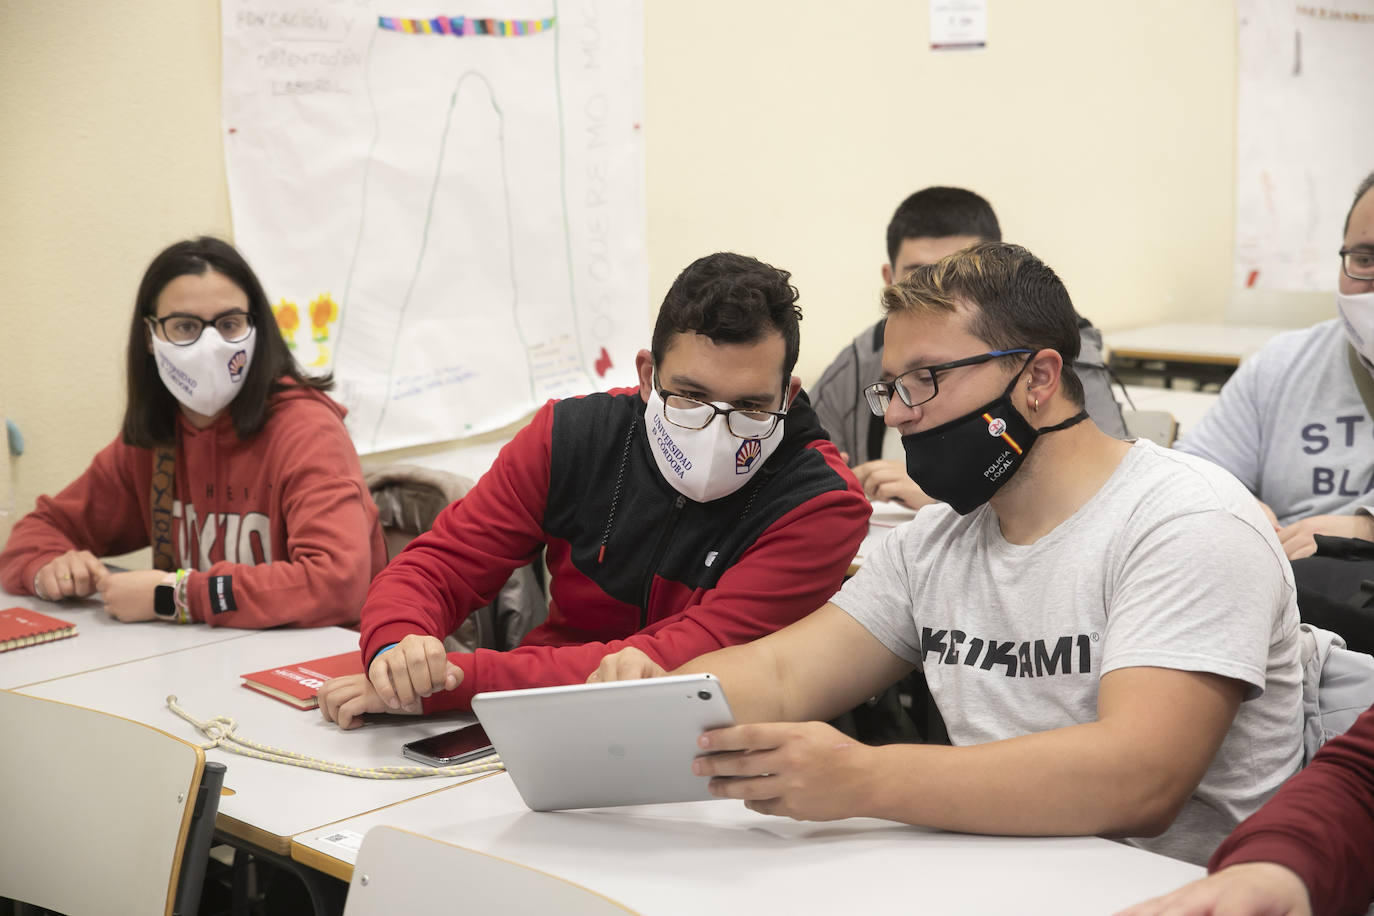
column 20, row 627
column 297, row 684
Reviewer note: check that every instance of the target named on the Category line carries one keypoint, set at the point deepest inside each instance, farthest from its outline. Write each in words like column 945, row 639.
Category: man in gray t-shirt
column 926, row 226
column 1107, row 628
column 1294, row 425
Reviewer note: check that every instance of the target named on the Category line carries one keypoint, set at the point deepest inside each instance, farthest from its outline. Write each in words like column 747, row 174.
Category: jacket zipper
column 663, row 539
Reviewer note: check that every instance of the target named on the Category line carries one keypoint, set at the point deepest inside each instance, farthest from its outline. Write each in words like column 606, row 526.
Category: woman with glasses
column 233, row 465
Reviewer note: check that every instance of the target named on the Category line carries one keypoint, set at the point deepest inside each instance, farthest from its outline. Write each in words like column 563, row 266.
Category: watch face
column 164, row 604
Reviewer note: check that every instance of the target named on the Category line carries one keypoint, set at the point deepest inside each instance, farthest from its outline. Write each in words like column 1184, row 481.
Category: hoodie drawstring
column 619, row 485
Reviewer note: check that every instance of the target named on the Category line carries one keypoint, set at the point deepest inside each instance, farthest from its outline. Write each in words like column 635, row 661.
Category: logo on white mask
column 237, row 363
column 1357, row 314
column 746, row 454
column 704, row 464
column 206, row 375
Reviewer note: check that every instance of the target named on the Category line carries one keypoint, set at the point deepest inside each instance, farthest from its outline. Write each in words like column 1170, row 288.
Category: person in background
column 1094, row 676
column 928, row 225
column 704, row 508
column 233, row 465
column 1294, row 423
column 1310, row 849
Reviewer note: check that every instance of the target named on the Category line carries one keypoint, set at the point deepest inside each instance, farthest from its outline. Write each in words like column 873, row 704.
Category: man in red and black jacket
column 702, row 509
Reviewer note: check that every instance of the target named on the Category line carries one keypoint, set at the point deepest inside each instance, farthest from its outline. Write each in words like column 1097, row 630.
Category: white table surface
column 1187, row 407
column 1212, row 342
column 886, row 516
column 718, row 856
column 273, row 798
column 100, row 641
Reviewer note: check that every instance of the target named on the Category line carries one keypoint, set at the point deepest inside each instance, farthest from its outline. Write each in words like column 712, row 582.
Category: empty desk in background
column 100, row 641
column 1207, row 353
column 720, row 857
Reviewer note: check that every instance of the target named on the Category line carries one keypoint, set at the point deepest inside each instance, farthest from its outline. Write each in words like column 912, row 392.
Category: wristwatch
column 164, row 598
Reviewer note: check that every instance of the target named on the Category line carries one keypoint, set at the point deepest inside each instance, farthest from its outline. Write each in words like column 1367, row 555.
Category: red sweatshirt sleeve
column 1320, row 825
column 471, row 550
column 333, row 544
column 794, row 567
column 99, row 512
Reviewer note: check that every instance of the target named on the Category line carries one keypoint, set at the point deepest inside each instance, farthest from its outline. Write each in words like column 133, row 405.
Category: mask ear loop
column 1035, row 405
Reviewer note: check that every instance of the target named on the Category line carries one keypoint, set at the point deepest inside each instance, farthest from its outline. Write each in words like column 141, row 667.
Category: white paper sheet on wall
column 1303, row 136
column 958, row 25
column 445, row 203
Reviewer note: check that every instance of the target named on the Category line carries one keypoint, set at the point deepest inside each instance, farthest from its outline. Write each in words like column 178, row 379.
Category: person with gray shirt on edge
column 1108, row 628
column 1294, row 423
column 926, row 226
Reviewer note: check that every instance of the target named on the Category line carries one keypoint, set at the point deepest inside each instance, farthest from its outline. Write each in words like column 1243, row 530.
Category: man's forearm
column 749, row 676
column 784, row 677
column 1072, row 781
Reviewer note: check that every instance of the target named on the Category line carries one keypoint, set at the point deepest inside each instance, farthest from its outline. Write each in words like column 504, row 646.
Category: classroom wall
column 788, row 129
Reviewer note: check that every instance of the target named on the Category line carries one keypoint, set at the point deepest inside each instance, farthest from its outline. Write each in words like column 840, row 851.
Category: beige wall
column 1102, row 133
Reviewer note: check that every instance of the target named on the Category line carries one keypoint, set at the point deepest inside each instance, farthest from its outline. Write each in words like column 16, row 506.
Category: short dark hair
column 150, row 416
column 1016, row 300
column 1365, row 187
column 938, row 213
column 730, row 298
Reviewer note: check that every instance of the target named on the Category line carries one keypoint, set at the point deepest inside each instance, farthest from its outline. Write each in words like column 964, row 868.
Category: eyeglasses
column 1358, row 263
column 689, row 413
column 917, row 386
column 184, row 330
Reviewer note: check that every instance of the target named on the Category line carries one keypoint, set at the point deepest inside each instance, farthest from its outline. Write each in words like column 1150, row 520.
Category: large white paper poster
column 445, row 205
column 1303, row 134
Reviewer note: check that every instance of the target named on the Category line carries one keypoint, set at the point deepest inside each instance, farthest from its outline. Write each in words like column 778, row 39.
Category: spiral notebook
column 21, row 627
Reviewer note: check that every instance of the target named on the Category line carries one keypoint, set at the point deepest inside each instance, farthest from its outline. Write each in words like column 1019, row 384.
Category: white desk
column 1187, row 407
column 886, row 516
column 1206, row 352
column 271, row 801
column 1225, row 344
column 720, row 857
column 100, row 641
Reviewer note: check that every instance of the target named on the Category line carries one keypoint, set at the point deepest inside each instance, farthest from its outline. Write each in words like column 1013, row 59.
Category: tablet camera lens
column 704, row 694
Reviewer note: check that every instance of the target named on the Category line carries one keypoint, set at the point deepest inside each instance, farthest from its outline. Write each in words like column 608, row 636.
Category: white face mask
column 1357, row 314
column 209, row 373
column 704, row 464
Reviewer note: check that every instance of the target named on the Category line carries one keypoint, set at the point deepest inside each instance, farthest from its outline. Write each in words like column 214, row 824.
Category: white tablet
column 597, row 745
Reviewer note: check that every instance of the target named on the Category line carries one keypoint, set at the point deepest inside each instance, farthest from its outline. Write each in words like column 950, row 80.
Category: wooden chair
column 101, row 814
column 401, row 872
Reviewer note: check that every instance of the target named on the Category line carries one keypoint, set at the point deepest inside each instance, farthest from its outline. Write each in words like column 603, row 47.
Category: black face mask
column 965, row 461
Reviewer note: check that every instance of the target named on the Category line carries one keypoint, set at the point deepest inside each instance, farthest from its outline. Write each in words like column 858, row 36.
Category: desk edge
column 1177, row 356
column 311, row 857
column 240, row 830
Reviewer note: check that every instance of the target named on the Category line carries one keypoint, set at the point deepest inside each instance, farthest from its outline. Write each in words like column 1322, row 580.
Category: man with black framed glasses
column 1296, row 421
column 704, row 508
column 926, row 226
column 1095, row 676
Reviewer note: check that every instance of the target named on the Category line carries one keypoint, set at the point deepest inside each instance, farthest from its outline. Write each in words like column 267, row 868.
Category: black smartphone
column 450, row 748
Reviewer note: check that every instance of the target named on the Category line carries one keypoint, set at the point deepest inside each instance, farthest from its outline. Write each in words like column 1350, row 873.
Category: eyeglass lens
column 692, row 414
column 186, row 329
column 1359, row 265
